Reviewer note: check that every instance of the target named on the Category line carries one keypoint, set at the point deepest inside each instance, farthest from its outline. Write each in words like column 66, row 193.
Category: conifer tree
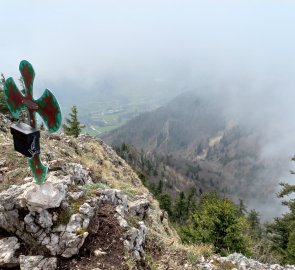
column 282, row 230
column 159, row 188
column 254, row 224
column 242, row 207
column 217, row 221
column 73, row 126
column 165, row 202
column 180, row 213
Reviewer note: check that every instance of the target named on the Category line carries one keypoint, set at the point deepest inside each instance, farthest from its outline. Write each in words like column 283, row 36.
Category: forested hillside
column 193, row 142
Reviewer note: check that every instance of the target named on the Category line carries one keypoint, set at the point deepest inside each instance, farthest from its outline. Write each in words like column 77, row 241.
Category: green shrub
column 218, row 221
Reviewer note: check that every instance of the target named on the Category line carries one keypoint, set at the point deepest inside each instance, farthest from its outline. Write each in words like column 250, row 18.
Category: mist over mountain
column 242, row 154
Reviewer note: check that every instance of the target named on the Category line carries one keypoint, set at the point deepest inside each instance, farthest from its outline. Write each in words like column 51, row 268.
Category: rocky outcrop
column 57, row 220
column 135, row 240
column 29, row 212
column 139, row 207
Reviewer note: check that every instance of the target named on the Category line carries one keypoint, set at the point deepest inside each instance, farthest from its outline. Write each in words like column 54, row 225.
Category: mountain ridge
column 199, row 133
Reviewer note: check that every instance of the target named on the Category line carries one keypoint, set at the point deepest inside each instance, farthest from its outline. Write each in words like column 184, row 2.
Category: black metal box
column 26, row 139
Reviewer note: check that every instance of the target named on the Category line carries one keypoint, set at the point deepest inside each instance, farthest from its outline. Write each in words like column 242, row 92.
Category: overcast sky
column 186, row 41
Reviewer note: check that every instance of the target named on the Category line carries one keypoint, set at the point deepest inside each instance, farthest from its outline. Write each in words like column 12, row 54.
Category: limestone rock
column 76, row 195
column 44, row 196
column 72, row 243
column 135, row 240
column 122, row 222
column 86, row 210
column 23, row 212
column 139, row 207
column 8, row 248
column 98, row 252
column 45, row 219
column 78, row 174
column 75, row 223
column 239, row 262
column 115, row 197
column 37, row 263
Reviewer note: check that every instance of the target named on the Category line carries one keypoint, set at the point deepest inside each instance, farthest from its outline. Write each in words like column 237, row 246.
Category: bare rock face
column 37, row 263
column 8, row 248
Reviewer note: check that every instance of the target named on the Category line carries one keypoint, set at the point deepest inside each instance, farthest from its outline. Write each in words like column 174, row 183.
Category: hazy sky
column 187, row 42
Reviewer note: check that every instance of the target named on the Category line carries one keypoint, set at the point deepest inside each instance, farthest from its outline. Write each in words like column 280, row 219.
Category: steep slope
column 198, row 139
column 99, row 215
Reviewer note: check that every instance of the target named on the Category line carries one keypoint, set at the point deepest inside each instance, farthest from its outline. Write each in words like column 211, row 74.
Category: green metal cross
column 46, row 106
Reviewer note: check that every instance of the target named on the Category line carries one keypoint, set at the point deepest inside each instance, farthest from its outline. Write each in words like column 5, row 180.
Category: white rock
column 86, row 223
column 98, row 252
column 44, row 196
column 86, row 210
column 75, row 223
column 120, row 210
column 122, row 222
column 28, row 179
column 31, row 226
column 37, row 263
column 76, row 195
column 115, row 197
column 72, row 243
column 45, row 219
column 79, row 175
column 135, row 240
column 139, row 207
column 243, row 265
column 8, row 247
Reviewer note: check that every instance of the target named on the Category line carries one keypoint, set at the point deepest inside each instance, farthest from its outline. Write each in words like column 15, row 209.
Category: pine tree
column 165, row 202
column 73, row 127
column 282, row 230
column 242, row 207
column 254, row 224
column 159, row 188
column 180, row 213
column 190, row 202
